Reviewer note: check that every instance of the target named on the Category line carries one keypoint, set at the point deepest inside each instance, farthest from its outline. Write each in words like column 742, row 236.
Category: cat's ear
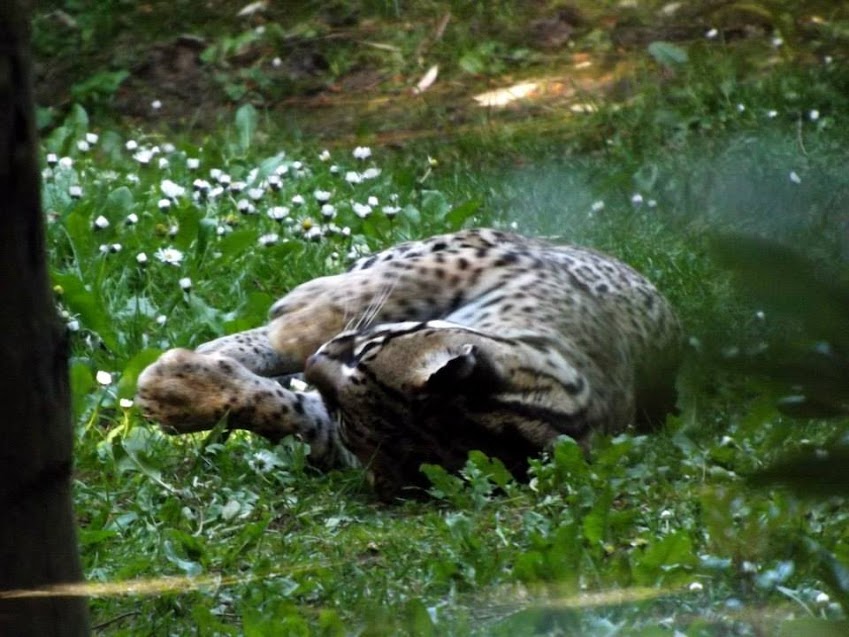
column 467, row 369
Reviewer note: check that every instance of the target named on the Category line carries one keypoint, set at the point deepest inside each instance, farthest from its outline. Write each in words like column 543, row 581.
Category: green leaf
column 667, row 54
column 417, row 619
column 89, row 308
column 237, row 242
column 435, row 205
column 120, row 201
column 134, row 367
column 595, row 522
column 189, row 567
column 674, row 552
column 456, row 217
column 189, row 228
column 78, row 227
column 246, row 125
column 569, row 461
column 82, row 383
column 77, row 121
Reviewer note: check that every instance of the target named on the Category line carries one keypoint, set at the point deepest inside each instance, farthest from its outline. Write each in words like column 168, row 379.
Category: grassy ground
column 660, row 535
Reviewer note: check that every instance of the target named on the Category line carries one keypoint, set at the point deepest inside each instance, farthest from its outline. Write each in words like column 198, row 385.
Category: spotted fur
column 475, row 340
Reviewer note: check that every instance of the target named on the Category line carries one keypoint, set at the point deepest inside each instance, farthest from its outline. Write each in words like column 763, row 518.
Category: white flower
column 143, row 156
column 101, row 223
column 297, row 165
column 160, row 320
column 245, row 207
column 164, row 204
column 201, row 184
column 828, row 59
column 795, row 178
column 822, row 598
column 666, row 514
column 273, row 181
column 125, row 403
column 741, row 107
column 276, row 62
column 314, row 234
column 334, row 169
column 133, row 178
column 324, row 155
column 73, row 325
column 353, row 177
column 321, row 196
column 75, row 191
column 170, row 189
column 772, row 113
column 597, row 206
column 168, row 147
column 696, row 587
column 278, row 212
column 215, row 173
column 361, row 210
column 66, row 162
column 141, row 258
column 636, row 199
column 238, row 186
column 652, row 203
column 131, row 145
column 185, row 284
column 173, row 230
column 269, row 239
column 710, row 34
column 115, row 247
column 391, row 211
column 281, row 170
column 132, row 219
column 370, row 173
column 263, row 461
column 163, row 163
column 192, row 163
column 52, row 158
column 328, row 211
column 83, row 146
column 215, row 192
column 91, row 138
column 169, row 255
column 777, row 41
column 103, row 378
column 156, row 105
column 223, row 178
column 298, row 200
column 372, row 201
column 814, row 115
column 362, row 152
column 256, row 193
column 760, row 315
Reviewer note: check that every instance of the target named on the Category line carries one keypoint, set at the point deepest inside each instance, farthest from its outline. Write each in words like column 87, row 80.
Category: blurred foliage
column 810, row 356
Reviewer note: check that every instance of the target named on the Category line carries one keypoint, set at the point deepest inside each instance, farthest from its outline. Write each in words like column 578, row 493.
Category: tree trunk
column 37, row 535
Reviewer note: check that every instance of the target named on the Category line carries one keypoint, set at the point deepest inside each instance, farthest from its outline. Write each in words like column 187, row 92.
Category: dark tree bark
column 37, row 532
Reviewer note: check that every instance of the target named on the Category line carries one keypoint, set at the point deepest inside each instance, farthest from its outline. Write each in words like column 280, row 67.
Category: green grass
column 649, row 536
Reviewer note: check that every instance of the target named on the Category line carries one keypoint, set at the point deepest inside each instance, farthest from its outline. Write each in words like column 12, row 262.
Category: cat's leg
column 188, row 391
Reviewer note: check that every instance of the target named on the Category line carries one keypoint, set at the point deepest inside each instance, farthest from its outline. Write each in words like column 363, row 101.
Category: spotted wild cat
column 479, row 339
